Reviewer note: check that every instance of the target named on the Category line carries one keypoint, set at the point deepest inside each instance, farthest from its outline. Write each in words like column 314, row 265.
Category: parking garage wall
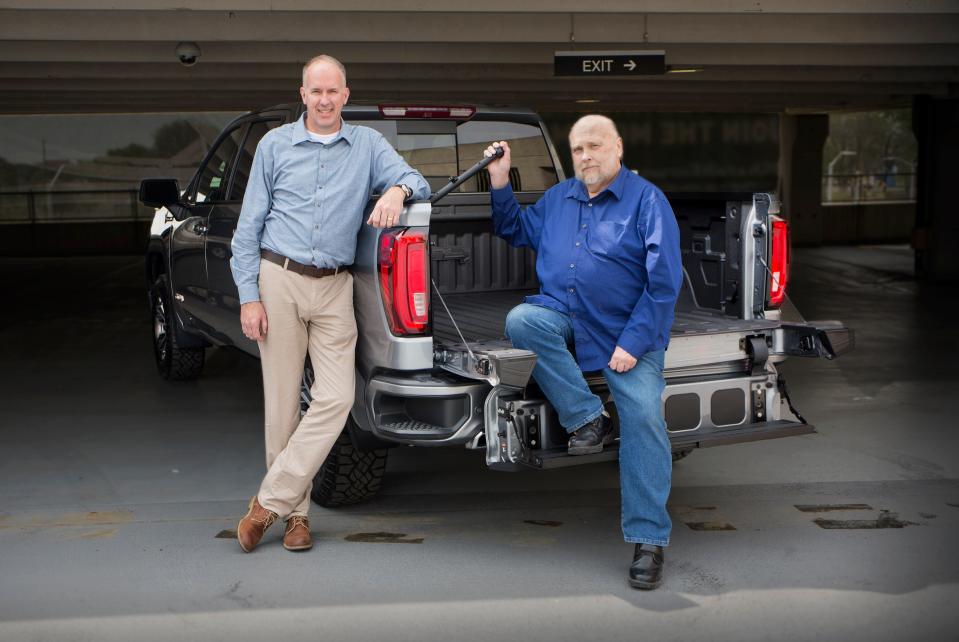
column 701, row 152
column 68, row 184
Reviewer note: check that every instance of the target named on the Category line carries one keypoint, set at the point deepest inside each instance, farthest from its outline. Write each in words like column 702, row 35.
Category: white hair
column 589, row 119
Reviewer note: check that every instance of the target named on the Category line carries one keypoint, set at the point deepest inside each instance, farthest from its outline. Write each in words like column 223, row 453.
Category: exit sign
column 609, row 63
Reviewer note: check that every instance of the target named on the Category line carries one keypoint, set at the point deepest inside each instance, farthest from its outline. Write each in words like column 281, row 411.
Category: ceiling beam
column 511, row 6
column 429, row 27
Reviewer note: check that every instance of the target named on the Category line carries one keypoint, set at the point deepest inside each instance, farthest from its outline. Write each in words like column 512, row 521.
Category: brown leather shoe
column 297, row 537
column 251, row 528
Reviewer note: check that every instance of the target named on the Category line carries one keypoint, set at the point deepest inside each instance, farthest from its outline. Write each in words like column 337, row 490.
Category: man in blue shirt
column 293, row 245
column 610, row 270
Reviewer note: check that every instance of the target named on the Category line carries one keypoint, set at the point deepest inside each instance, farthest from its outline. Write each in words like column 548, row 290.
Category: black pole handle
column 465, row 176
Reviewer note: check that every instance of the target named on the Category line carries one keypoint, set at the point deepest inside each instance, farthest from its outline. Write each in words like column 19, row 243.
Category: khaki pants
column 304, row 314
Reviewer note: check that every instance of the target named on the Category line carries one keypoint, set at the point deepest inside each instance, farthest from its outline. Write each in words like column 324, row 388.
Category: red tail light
column 404, row 273
column 779, row 262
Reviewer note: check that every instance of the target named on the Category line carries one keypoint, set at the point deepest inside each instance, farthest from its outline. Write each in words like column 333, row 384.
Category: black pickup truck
column 432, row 294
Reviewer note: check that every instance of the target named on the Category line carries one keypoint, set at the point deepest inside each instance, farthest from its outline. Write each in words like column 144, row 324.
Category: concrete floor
column 115, row 484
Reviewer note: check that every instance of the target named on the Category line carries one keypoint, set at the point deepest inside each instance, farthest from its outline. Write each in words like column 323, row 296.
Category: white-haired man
column 610, row 269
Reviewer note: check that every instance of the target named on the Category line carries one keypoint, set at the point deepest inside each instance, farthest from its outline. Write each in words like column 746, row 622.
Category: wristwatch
column 407, row 191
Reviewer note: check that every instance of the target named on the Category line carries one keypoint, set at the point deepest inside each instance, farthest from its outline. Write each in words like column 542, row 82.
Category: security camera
column 188, row 53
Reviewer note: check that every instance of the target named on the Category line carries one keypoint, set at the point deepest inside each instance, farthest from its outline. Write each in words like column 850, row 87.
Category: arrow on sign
column 630, row 65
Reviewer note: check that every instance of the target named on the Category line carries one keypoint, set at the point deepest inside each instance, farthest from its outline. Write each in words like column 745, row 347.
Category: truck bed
column 482, row 316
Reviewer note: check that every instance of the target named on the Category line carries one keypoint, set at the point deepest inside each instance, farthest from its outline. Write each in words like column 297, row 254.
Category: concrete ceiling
column 99, row 55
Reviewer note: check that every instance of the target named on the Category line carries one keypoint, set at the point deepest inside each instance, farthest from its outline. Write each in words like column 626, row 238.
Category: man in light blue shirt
column 293, row 245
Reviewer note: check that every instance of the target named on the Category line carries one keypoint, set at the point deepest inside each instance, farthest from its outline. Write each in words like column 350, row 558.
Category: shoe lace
column 297, row 520
column 265, row 521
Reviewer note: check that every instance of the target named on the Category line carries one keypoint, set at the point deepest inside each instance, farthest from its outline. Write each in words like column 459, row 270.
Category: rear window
column 440, row 149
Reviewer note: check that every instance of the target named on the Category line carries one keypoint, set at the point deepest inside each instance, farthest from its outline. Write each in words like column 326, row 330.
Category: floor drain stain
column 928, row 515
column 701, row 517
column 542, row 522
column 825, row 508
column 227, row 534
column 710, row 526
column 885, row 520
column 383, row 538
column 953, row 504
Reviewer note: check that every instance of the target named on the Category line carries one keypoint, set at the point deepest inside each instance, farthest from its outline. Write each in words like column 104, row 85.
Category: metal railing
column 72, row 206
column 868, row 188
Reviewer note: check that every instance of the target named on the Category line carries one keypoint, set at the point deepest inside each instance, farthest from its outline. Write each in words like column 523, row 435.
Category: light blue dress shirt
column 305, row 199
column 611, row 263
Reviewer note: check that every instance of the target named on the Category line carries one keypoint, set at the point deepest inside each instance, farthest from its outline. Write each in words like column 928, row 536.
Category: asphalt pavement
column 119, row 492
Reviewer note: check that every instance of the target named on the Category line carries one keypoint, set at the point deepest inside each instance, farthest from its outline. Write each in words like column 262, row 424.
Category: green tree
column 168, row 140
column 875, row 136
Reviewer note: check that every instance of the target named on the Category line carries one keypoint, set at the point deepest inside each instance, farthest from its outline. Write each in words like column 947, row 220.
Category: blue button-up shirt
column 305, row 199
column 611, row 263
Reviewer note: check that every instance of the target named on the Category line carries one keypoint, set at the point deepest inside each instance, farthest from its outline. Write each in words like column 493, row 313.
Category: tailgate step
column 740, row 434
column 559, row 459
column 703, row 438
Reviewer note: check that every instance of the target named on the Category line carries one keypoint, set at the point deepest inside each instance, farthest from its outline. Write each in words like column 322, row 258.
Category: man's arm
column 245, row 246
column 389, row 170
column 664, row 268
column 517, row 226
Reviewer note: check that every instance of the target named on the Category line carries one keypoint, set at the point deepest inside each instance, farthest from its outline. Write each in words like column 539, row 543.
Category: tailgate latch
column 495, row 362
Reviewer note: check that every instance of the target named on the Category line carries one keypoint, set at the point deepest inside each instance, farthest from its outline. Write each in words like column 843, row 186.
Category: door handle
column 200, row 229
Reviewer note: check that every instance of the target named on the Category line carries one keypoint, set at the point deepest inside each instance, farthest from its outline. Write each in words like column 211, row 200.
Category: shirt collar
column 300, row 133
column 578, row 191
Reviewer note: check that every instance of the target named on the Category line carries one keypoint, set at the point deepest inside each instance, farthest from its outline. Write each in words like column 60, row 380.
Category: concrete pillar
column 935, row 122
column 801, row 139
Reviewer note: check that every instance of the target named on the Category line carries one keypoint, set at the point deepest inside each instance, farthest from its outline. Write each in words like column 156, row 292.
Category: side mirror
column 159, row 192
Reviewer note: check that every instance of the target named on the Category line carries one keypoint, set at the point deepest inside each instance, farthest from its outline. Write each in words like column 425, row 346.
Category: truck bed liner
column 481, row 316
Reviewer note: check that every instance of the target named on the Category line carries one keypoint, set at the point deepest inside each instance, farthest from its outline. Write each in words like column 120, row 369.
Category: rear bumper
column 438, row 409
column 425, row 409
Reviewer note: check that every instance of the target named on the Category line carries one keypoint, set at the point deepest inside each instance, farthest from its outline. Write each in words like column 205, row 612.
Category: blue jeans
column 645, row 458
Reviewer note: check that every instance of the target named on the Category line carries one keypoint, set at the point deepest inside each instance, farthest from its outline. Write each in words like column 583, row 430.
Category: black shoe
column 590, row 438
column 646, row 571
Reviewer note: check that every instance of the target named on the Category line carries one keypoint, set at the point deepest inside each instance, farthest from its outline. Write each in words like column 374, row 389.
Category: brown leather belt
column 299, row 268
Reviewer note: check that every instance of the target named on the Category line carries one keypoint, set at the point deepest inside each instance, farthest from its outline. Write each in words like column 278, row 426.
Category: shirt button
column 572, row 265
column 578, row 244
column 589, row 204
column 584, row 226
column 572, row 290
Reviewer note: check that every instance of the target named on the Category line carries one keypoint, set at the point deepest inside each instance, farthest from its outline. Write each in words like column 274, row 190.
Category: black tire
column 174, row 362
column 348, row 475
column 681, row 454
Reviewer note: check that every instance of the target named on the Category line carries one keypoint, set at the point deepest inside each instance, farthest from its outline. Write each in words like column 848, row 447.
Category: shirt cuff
column 248, row 293
column 635, row 346
column 501, row 194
